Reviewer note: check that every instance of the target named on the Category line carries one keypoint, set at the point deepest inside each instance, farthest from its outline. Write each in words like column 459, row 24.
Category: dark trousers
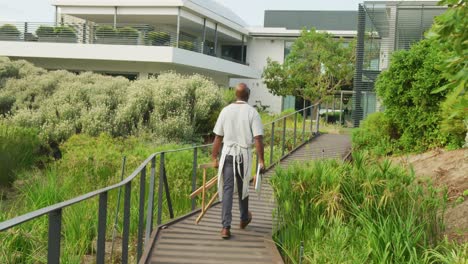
column 228, row 190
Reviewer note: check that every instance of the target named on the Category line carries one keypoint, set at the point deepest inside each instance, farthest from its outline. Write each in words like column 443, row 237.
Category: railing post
column 295, row 128
column 102, row 223
column 284, row 137
column 312, row 120
column 341, row 108
column 160, row 187
column 141, row 213
column 55, row 228
column 126, row 222
column 272, row 142
column 150, row 211
column 168, row 194
column 25, row 30
column 318, row 120
column 84, row 33
column 194, row 176
column 304, row 118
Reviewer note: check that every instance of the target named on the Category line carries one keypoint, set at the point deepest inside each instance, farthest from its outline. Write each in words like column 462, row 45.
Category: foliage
column 88, row 163
column 450, row 32
column 405, row 89
column 229, row 95
column 45, row 31
column 188, row 45
column 59, row 31
column 19, row 148
column 317, row 66
column 61, row 104
column 128, row 32
column 363, row 212
column 65, row 31
column 377, row 134
column 9, row 30
column 158, row 38
column 106, row 32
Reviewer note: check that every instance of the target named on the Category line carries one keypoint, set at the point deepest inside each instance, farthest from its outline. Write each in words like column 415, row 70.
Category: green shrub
column 61, row 104
column 45, row 31
column 405, row 89
column 9, row 30
column 158, row 38
column 449, row 30
column 363, row 212
column 377, row 134
column 106, row 32
column 128, row 33
column 188, row 45
column 65, row 32
column 19, row 148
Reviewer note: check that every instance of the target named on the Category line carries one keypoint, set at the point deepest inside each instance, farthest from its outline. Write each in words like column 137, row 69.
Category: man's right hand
column 262, row 166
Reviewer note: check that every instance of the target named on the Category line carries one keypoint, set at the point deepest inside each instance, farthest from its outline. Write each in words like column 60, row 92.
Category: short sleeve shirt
column 239, row 123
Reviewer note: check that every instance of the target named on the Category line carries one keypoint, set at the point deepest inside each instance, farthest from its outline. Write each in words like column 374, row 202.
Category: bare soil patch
column 447, row 169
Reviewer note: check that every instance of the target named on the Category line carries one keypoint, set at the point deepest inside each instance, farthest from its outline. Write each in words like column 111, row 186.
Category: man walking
column 239, row 126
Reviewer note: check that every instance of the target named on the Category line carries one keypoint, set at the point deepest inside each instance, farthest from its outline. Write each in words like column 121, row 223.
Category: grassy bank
column 361, row 212
column 88, row 163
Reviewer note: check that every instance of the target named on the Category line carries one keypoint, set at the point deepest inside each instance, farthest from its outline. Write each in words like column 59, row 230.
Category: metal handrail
column 55, row 211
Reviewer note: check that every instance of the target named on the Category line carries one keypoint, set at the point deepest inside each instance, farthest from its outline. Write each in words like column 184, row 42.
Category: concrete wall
column 258, row 51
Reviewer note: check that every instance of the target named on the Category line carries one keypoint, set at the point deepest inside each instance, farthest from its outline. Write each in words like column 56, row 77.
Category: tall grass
column 19, row 148
column 88, row 163
column 359, row 212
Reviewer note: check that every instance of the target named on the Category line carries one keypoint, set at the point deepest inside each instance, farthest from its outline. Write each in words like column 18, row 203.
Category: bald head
column 242, row 92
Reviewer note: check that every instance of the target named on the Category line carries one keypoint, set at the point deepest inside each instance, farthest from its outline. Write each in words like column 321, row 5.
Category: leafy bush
column 376, row 134
column 128, row 32
column 364, row 212
column 449, row 30
column 45, row 31
column 158, row 38
column 9, row 30
column 65, row 31
column 405, row 89
column 188, row 45
column 106, row 32
column 61, row 104
column 19, row 148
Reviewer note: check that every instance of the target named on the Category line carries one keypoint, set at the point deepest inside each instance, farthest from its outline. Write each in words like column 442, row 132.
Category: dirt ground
column 450, row 169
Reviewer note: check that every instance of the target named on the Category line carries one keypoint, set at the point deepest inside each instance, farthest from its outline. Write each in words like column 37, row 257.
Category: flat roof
column 209, row 6
column 321, row 20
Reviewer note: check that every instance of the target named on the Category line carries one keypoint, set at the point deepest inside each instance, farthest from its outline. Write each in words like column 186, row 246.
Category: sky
column 251, row 11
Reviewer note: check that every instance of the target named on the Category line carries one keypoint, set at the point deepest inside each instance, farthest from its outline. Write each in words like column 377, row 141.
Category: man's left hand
column 215, row 162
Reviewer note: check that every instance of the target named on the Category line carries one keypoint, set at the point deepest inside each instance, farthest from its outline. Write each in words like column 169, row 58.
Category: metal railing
column 275, row 144
column 92, row 33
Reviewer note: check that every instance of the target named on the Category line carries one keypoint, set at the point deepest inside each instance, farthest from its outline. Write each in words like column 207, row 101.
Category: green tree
column 405, row 88
column 317, row 66
column 450, row 31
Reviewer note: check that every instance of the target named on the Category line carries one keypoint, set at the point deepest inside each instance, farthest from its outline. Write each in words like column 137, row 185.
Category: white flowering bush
column 172, row 107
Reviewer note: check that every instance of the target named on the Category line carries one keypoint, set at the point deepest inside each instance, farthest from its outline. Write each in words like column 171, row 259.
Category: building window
column 233, row 52
column 287, row 48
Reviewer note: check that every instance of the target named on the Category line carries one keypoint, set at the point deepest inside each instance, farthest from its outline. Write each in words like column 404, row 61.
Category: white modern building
column 142, row 38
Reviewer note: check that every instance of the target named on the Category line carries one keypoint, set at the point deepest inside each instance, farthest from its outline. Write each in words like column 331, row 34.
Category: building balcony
column 124, row 43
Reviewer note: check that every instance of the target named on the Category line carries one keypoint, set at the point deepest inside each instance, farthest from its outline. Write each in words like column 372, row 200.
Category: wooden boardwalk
column 185, row 242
